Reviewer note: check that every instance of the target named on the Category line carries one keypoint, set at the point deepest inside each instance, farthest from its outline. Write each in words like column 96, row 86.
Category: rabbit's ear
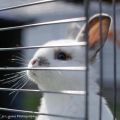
column 97, row 29
column 73, row 30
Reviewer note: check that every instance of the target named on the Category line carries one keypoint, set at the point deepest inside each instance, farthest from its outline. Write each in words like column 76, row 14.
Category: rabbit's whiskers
column 17, row 79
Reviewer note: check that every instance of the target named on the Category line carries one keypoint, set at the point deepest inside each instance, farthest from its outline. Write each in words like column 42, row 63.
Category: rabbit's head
column 69, row 57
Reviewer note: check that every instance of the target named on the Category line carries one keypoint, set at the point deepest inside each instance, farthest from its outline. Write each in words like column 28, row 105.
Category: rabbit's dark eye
column 61, row 55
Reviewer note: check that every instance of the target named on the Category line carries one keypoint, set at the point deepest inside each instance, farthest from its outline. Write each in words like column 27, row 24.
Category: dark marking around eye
column 62, row 55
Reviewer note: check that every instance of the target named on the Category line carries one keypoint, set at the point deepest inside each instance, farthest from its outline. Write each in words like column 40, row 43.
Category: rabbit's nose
column 33, row 62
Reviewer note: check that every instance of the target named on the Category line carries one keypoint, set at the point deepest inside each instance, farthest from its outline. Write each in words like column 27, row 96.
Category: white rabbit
column 71, row 105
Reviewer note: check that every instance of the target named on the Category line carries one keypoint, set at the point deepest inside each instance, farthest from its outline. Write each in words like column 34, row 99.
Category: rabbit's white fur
column 68, row 105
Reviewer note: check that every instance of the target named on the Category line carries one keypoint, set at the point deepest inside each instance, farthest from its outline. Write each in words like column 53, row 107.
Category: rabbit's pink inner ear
column 96, row 33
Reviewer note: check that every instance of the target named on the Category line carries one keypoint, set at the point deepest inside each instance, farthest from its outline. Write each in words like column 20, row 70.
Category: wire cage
column 6, row 71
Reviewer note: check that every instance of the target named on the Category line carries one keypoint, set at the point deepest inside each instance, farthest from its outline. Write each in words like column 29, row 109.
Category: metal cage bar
column 43, row 114
column 49, row 92
column 45, row 68
column 101, row 63
column 26, row 5
column 36, row 47
column 45, row 23
column 115, row 60
column 87, row 4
